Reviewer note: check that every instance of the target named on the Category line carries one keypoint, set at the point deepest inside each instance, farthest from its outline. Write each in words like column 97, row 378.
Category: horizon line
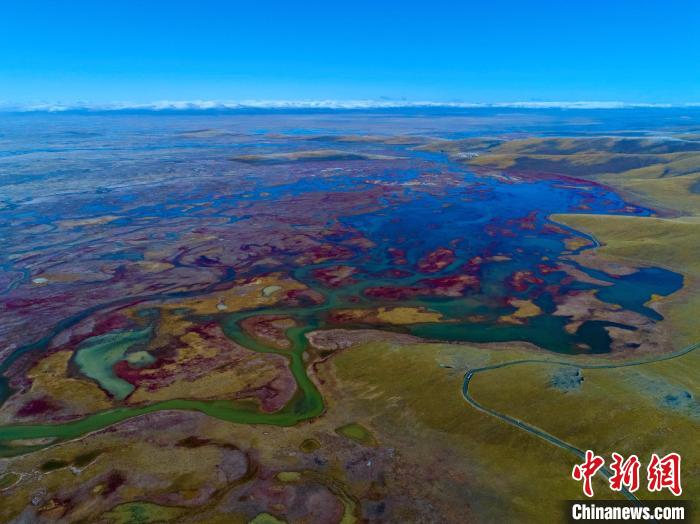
column 203, row 105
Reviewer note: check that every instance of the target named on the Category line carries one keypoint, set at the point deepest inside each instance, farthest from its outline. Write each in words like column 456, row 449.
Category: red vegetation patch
column 270, row 329
column 493, row 230
column 322, row 253
column 334, row 276
column 272, row 396
column 522, row 280
column 113, row 482
column 554, row 229
column 302, row 298
column 473, row 265
column 136, row 376
column 398, row 256
column 342, row 317
column 437, row 260
column 546, row 269
column 360, row 242
column 452, row 286
column 397, row 273
column 527, row 222
column 180, row 358
column 553, row 290
column 165, row 370
column 91, row 327
column 392, row 292
column 37, row 407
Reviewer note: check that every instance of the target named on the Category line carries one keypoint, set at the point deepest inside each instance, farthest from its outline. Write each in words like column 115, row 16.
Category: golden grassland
column 655, row 172
column 410, row 396
column 640, row 410
column 667, row 242
column 247, row 371
column 401, row 404
column 262, row 291
column 400, row 315
column 669, row 193
column 51, row 379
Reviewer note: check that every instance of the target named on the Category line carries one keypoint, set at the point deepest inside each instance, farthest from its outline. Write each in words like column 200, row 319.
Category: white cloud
column 180, row 105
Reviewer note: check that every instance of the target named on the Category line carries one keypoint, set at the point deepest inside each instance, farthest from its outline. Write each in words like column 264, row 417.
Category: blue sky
column 482, row 51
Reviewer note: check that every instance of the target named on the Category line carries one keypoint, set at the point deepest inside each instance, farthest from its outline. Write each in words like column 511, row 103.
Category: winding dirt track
column 540, row 433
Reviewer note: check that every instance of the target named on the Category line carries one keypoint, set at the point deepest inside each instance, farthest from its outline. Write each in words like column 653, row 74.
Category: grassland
column 671, row 243
column 410, row 396
column 638, row 409
column 650, row 408
column 396, row 427
column 658, row 172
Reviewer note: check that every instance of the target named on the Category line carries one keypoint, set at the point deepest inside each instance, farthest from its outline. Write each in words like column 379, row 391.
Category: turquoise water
column 167, row 189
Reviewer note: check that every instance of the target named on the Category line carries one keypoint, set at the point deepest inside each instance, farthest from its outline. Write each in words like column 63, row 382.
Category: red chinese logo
column 665, row 473
column 624, row 473
column 662, row 473
column 586, row 471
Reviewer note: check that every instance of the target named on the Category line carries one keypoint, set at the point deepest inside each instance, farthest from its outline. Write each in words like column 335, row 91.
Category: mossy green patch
column 266, row 518
column 86, row 458
column 309, row 445
column 358, row 433
column 53, row 465
column 8, row 480
column 141, row 513
column 288, row 476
